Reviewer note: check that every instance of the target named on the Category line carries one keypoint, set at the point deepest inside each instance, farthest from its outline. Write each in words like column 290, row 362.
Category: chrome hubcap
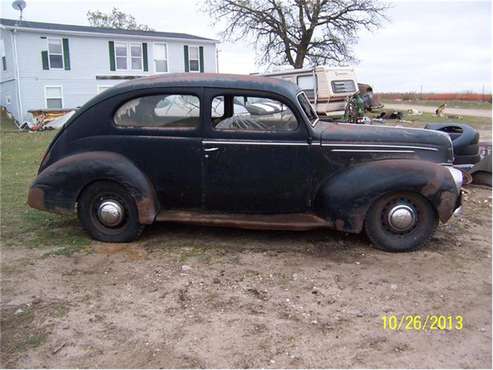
column 402, row 218
column 110, row 213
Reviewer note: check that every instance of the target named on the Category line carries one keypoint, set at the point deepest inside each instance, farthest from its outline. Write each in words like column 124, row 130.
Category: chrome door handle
column 210, row 149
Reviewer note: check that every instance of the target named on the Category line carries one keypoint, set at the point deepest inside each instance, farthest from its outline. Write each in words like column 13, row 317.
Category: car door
column 255, row 154
column 159, row 130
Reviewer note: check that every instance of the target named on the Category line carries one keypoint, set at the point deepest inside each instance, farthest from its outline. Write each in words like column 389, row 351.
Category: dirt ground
column 189, row 296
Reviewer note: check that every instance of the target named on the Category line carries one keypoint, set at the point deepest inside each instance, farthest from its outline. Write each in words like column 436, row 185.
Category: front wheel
column 108, row 213
column 401, row 222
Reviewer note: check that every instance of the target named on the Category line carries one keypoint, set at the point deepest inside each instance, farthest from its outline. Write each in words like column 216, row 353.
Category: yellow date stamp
column 422, row 322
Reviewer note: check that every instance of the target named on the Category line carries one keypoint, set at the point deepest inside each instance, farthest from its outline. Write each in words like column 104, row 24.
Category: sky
column 429, row 46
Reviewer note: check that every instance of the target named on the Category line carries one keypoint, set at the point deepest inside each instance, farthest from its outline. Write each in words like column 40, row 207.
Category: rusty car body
column 242, row 151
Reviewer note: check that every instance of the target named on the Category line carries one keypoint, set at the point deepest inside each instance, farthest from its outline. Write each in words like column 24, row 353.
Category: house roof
column 12, row 23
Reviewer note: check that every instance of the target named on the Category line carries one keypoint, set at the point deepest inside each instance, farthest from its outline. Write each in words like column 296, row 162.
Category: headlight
column 456, row 175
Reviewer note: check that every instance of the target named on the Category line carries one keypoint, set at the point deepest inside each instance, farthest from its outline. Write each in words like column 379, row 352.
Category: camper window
column 307, row 84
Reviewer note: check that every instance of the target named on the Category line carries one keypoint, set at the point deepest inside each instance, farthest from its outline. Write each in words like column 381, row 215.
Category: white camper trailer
column 326, row 87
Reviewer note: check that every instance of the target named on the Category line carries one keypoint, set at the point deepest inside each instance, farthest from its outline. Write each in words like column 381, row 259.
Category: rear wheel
column 108, row 213
column 401, row 222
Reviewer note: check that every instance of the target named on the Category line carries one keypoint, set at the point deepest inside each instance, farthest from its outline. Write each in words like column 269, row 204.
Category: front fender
column 344, row 198
column 59, row 185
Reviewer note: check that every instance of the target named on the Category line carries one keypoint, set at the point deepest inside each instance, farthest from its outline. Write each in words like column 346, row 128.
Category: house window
column 54, row 97
column 193, row 59
column 4, row 63
column 136, row 56
column 55, row 53
column 128, row 56
column 160, row 58
column 121, row 56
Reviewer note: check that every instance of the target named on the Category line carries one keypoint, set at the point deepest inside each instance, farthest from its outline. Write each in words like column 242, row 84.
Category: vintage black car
column 242, row 151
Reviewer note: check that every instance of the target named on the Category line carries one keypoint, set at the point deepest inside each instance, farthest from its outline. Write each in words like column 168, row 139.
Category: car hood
column 418, row 143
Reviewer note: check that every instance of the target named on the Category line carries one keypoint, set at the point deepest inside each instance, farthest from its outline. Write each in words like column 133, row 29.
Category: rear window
column 343, row 86
column 160, row 111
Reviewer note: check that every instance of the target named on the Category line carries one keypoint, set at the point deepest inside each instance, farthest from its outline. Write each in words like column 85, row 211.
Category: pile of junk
column 471, row 156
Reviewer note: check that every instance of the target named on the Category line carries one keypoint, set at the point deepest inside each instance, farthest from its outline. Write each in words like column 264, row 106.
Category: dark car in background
column 242, row 151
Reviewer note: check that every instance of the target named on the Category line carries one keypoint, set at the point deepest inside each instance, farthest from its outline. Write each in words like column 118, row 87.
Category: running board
column 287, row 221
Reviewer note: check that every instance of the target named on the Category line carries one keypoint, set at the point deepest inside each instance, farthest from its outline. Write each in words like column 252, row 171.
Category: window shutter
column 44, row 59
column 201, row 57
column 144, row 55
column 66, row 54
column 187, row 66
column 111, row 47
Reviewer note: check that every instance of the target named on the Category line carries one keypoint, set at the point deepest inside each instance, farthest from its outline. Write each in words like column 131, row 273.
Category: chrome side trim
column 380, row 146
column 371, row 151
column 252, row 142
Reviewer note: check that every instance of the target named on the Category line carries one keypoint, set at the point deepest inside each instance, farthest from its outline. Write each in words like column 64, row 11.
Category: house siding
column 89, row 58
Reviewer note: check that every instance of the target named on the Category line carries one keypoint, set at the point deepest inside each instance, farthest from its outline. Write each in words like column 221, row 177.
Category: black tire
column 472, row 149
column 128, row 229
column 380, row 231
column 467, row 159
column 460, row 133
column 481, row 178
column 469, row 136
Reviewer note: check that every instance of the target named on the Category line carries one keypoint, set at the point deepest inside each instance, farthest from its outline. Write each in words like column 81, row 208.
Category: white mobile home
column 326, row 87
column 58, row 66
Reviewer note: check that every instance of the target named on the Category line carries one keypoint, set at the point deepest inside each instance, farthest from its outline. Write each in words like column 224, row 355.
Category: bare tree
column 115, row 19
column 298, row 31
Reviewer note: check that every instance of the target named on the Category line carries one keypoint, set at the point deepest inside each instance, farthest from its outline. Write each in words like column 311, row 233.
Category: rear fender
column 58, row 187
column 344, row 198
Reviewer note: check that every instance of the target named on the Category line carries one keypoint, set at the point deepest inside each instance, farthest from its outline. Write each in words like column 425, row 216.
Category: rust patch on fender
column 147, row 210
column 447, row 205
column 36, row 198
column 433, row 185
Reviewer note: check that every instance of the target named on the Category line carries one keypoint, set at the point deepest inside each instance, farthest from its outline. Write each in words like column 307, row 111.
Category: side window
column 160, row 111
column 248, row 113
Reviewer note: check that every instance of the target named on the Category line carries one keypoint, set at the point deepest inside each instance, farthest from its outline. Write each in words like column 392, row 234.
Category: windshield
column 307, row 108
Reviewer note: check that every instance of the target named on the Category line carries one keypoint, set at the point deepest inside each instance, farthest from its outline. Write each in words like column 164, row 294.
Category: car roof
column 212, row 80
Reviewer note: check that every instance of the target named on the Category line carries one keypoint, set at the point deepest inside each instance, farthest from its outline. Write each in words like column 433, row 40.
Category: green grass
column 450, row 104
column 21, row 153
